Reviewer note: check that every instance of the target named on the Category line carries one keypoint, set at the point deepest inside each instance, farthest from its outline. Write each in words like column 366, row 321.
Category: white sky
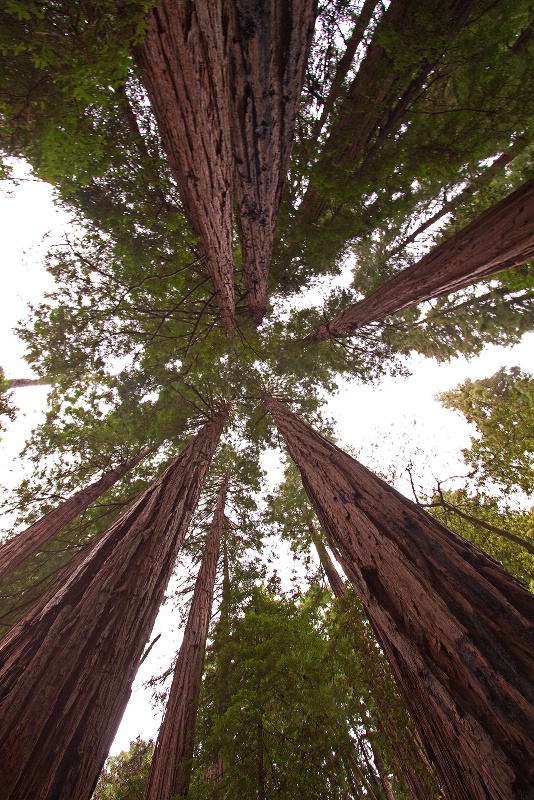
column 378, row 422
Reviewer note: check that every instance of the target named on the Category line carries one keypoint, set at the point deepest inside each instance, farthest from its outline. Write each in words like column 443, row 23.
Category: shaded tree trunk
column 67, row 665
column 333, row 576
column 455, row 627
column 15, row 550
column 183, row 62
column 412, row 777
column 171, row 765
column 270, row 45
column 381, row 91
column 500, row 238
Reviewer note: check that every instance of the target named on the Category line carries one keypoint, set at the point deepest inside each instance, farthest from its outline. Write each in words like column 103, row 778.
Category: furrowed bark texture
column 14, row 551
column 183, row 62
column 500, row 238
column 382, row 90
column 414, row 780
column 270, row 45
column 66, row 667
column 171, row 764
column 456, row 628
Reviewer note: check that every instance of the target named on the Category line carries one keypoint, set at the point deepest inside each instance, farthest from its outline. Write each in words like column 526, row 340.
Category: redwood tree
column 171, row 764
column 183, row 61
column 500, row 238
column 269, row 52
column 15, row 550
column 456, row 628
column 67, row 666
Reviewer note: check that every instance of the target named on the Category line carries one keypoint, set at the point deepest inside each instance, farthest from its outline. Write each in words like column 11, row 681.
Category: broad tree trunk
column 455, row 627
column 67, row 666
column 413, row 778
column 500, row 238
column 171, row 765
column 270, row 45
column 183, row 62
column 15, row 550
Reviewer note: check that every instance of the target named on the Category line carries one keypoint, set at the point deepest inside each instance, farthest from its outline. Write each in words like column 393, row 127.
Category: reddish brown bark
column 416, row 784
column 67, row 665
column 14, row 551
column 171, row 765
column 382, row 89
column 500, row 238
column 270, row 45
column 455, row 627
column 183, row 62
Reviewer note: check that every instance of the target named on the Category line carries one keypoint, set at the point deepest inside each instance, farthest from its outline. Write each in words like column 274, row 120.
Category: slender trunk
column 380, row 91
column 455, row 627
column 333, row 576
column 500, row 238
column 381, row 768
column 475, row 185
column 260, row 760
column 15, row 550
column 171, row 765
column 67, row 665
column 345, row 62
column 270, row 45
column 183, row 62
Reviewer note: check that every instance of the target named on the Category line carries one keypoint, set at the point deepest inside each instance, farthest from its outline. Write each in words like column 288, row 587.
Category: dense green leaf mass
column 502, row 409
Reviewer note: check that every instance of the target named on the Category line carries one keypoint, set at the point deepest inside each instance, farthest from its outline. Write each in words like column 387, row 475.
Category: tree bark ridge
column 68, row 664
column 456, row 628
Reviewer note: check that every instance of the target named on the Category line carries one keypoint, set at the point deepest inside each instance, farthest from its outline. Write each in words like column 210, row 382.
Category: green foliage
column 453, row 507
column 7, row 409
column 288, row 706
column 502, row 409
column 124, row 776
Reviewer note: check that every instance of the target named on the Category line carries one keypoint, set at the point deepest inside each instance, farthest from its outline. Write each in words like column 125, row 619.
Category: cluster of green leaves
column 7, row 409
column 501, row 408
column 124, row 776
column 287, row 708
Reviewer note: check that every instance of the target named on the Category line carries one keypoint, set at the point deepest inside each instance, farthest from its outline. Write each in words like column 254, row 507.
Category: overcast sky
column 387, row 425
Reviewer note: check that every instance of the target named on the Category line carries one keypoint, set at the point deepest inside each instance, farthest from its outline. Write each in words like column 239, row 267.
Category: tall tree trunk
column 413, row 777
column 171, row 765
column 382, row 90
column 183, row 62
column 15, row 550
column 270, row 45
column 67, row 666
column 333, row 576
column 455, row 627
column 500, row 238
